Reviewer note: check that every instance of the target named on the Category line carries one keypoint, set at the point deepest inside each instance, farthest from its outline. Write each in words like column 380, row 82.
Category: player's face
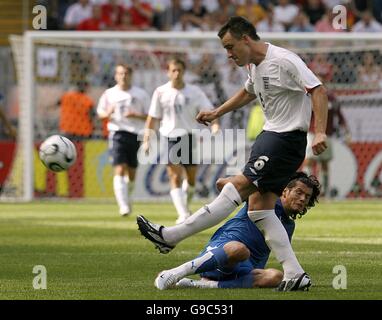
column 175, row 72
column 237, row 50
column 297, row 198
column 122, row 76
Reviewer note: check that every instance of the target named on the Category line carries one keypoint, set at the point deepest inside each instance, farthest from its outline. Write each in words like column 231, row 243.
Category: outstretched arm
column 320, row 109
column 240, row 99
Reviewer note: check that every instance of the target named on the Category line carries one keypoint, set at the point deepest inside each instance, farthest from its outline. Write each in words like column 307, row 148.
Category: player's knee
column 119, row 170
column 175, row 178
column 267, row 278
column 220, row 183
column 236, row 251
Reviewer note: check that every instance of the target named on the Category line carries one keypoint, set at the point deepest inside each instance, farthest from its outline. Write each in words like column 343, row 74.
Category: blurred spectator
column 6, row 125
column 170, row 16
column 269, row 24
column 377, row 10
column 285, row 13
column 195, row 17
column 95, row 22
column 325, row 24
column 314, row 9
column 367, row 24
column 76, row 113
column 301, row 24
column 369, row 73
column 76, row 13
column 141, row 14
column 225, row 9
column 210, row 79
column 112, row 13
column 252, row 11
column 126, row 23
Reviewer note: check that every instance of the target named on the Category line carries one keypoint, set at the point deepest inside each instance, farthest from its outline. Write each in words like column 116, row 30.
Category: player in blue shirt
column 236, row 255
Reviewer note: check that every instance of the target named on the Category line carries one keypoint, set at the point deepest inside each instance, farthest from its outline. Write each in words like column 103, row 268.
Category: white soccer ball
column 57, row 153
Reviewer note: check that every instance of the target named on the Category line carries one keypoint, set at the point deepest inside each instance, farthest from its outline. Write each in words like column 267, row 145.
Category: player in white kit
column 177, row 104
column 125, row 106
column 287, row 90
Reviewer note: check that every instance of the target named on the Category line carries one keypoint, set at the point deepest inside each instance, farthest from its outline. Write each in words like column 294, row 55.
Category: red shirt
column 137, row 19
column 112, row 15
column 92, row 25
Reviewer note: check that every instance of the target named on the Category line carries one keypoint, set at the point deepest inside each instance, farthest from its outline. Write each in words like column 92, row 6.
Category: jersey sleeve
column 155, row 109
column 249, row 84
column 102, row 104
column 295, row 74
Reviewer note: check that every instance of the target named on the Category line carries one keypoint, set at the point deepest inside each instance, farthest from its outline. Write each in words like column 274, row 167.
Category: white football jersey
column 135, row 100
column 282, row 82
column 178, row 108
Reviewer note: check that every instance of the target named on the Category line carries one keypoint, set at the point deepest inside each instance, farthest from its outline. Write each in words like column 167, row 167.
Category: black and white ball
column 57, row 153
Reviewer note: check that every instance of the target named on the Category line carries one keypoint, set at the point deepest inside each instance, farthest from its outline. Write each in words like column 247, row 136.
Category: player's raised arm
column 240, row 99
column 320, row 109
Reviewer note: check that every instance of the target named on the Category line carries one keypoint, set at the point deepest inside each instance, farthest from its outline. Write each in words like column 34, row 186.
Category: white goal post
column 341, row 48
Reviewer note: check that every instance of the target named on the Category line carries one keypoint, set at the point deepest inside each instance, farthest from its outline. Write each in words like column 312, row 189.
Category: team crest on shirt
column 266, row 83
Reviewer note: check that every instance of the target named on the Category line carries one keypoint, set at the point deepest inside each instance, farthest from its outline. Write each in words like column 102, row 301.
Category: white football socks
column 206, row 217
column 178, row 196
column 120, row 192
column 130, row 186
column 188, row 190
column 277, row 240
column 190, row 267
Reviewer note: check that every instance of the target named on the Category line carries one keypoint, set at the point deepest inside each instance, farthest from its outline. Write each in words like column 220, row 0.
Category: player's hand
column 206, row 117
column 146, row 147
column 215, row 127
column 319, row 144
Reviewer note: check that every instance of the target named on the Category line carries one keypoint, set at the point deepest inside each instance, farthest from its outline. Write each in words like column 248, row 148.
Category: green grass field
column 89, row 252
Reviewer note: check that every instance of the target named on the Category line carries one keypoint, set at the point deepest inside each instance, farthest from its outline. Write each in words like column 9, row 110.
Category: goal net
column 50, row 64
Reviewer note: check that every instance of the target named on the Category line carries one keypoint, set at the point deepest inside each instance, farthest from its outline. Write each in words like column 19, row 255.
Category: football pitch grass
column 89, row 252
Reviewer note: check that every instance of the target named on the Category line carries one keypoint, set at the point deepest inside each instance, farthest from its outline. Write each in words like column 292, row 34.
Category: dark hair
column 82, row 85
column 311, row 182
column 238, row 27
column 176, row 60
column 127, row 66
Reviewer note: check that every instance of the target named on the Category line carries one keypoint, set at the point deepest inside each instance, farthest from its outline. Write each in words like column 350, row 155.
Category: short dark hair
column 238, row 27
column 127, row 66
column 311, row 182
column 176, row 60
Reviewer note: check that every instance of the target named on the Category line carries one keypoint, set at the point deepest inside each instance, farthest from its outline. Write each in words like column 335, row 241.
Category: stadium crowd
column 208, row 15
